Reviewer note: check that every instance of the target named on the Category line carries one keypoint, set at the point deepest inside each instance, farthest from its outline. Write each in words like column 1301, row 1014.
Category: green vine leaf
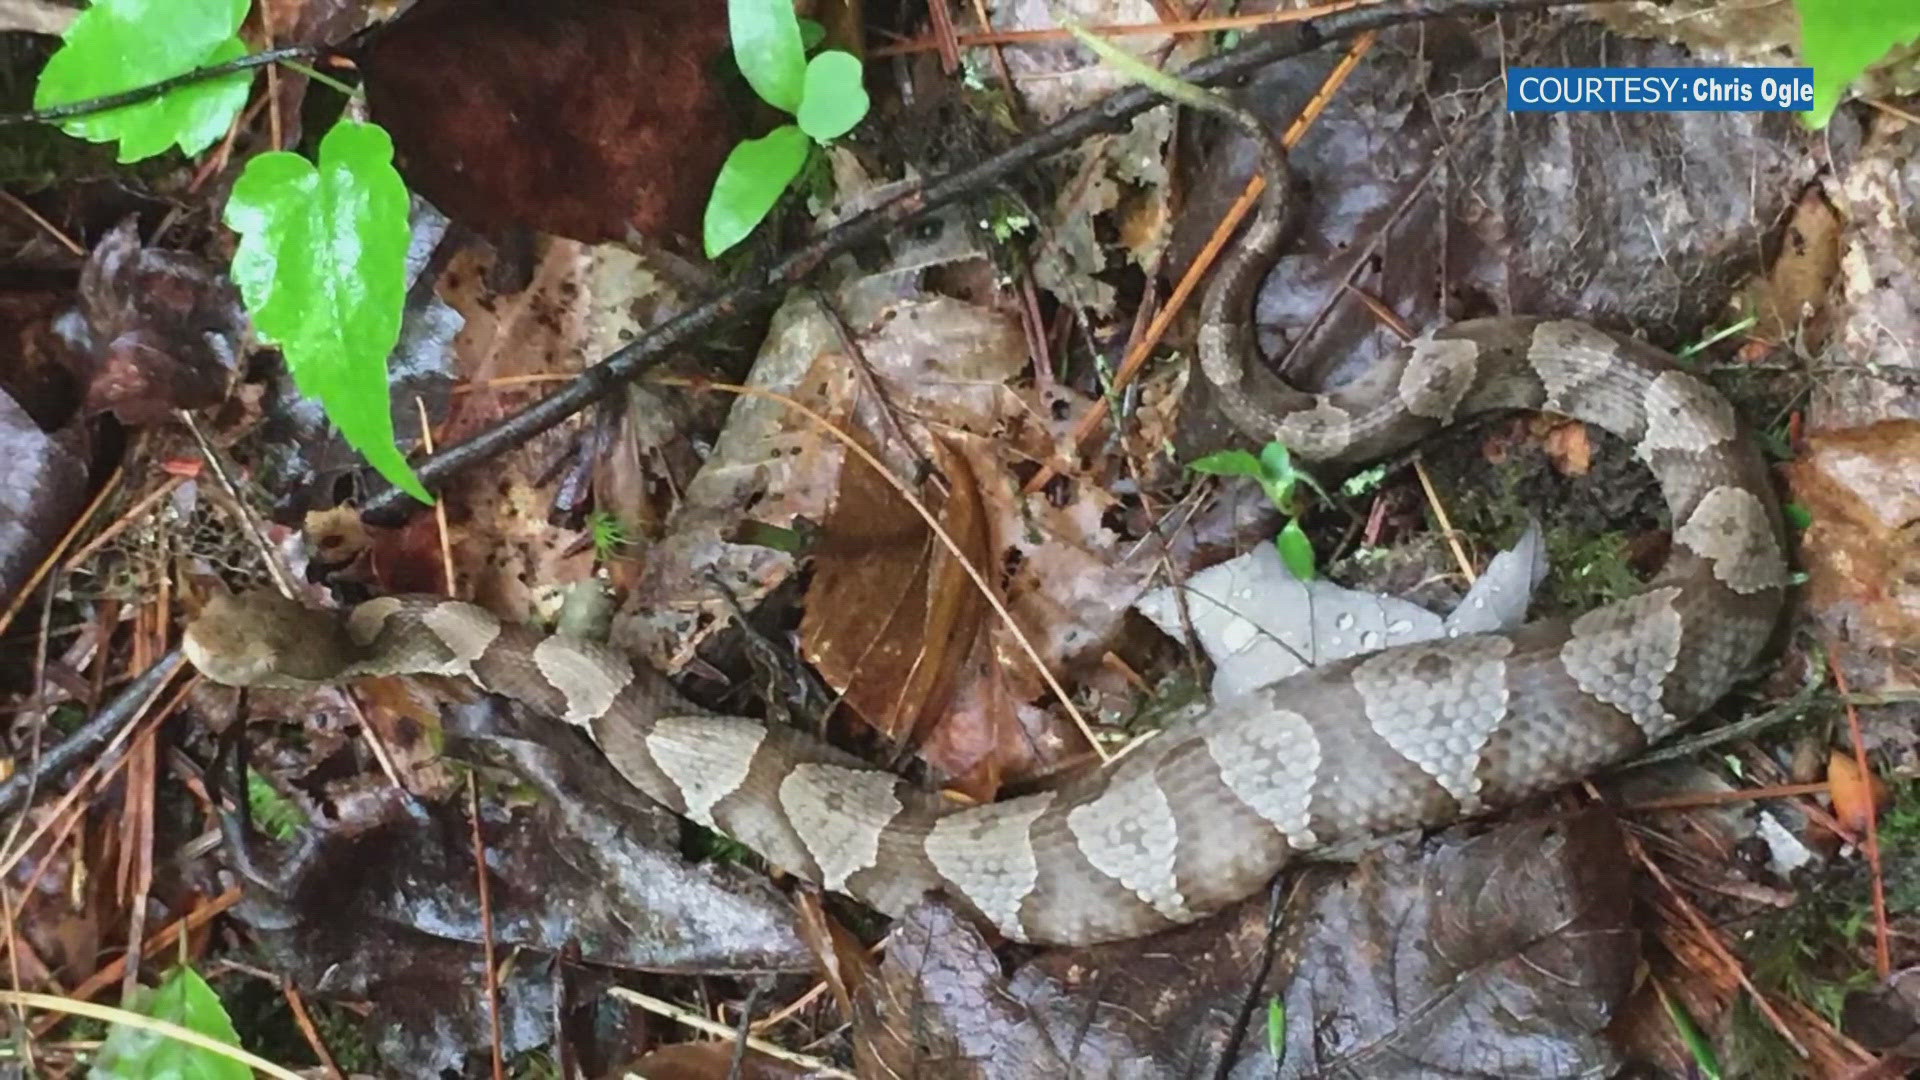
column 1840, row 39
column 322, row 266
column 131, row 1053
column 750, row 183
column 834, row 97
column 768, row 49
column 118, row 45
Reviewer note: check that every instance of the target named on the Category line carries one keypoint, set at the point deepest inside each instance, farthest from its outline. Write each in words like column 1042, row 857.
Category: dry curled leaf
column 891, row 614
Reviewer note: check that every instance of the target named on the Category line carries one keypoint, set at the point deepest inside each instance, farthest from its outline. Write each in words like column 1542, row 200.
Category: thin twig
column 114, row 718
column 491, row 984
column 698, row 1022
column 1186, row 27
column 141, row 1022
column 1446, row 524
column 1142, row 348
column 53, row 557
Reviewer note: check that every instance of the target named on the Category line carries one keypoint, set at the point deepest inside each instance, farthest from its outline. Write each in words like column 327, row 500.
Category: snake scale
column 1205, row 813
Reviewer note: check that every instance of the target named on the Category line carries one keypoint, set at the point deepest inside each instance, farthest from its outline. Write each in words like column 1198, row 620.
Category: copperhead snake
column 1204, row 814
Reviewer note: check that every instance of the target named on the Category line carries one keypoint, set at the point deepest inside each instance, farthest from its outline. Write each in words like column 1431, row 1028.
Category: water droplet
column 1399, row 626
column 1369, row 640
column 1344, row 620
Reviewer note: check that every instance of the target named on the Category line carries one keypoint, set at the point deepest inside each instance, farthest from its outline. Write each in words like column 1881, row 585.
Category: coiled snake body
column 1204, row 814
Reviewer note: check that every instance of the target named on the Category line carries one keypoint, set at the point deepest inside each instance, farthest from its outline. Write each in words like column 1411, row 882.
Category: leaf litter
column 935, row 385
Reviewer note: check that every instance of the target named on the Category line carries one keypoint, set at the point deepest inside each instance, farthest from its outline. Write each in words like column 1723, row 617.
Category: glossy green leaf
column 1229, row 463
column 118, row 45
column 322, row 266
column 131, row 1053
column 1296, row 551
column 1840, row 39
column 750, row 183
column 1273, row 469
column 1276, row 463
column 834, row 99
column 767, row 47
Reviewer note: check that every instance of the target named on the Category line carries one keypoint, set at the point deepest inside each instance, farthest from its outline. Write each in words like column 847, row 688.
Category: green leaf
column 1276, row 462
column 118, row 45
column 322, row 266
column 766, row 45
column 1296, row 552
column 1229, row 463
column 1798, row 515
column 750, row 183
column 834, row 98
column 1840, row 39
column 131, row 1053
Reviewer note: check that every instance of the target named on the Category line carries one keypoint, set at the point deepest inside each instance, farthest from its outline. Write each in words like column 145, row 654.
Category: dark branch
column 153, row 90
column 391, row 506
column 118, row 713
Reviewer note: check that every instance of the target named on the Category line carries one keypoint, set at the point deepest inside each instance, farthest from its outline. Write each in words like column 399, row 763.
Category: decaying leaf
column 1791, row 300
column 1863, row 545
column 154, row 330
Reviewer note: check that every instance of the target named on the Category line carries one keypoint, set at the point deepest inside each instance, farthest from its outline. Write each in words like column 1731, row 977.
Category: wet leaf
column 117, row 45
column 891, row 616
column 1260, row 622
column 45, row 487
column 322, row 265
column 750, row 182
column 834, row 99
column 1862, row 493
column 766, row 46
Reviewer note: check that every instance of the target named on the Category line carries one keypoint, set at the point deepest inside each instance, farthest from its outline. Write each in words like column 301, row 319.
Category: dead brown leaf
column 1791, row 301
column 891, row 614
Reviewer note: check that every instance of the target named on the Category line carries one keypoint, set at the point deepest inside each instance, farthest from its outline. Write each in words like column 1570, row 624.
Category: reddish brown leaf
column 582, row 118
column 891, row 615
